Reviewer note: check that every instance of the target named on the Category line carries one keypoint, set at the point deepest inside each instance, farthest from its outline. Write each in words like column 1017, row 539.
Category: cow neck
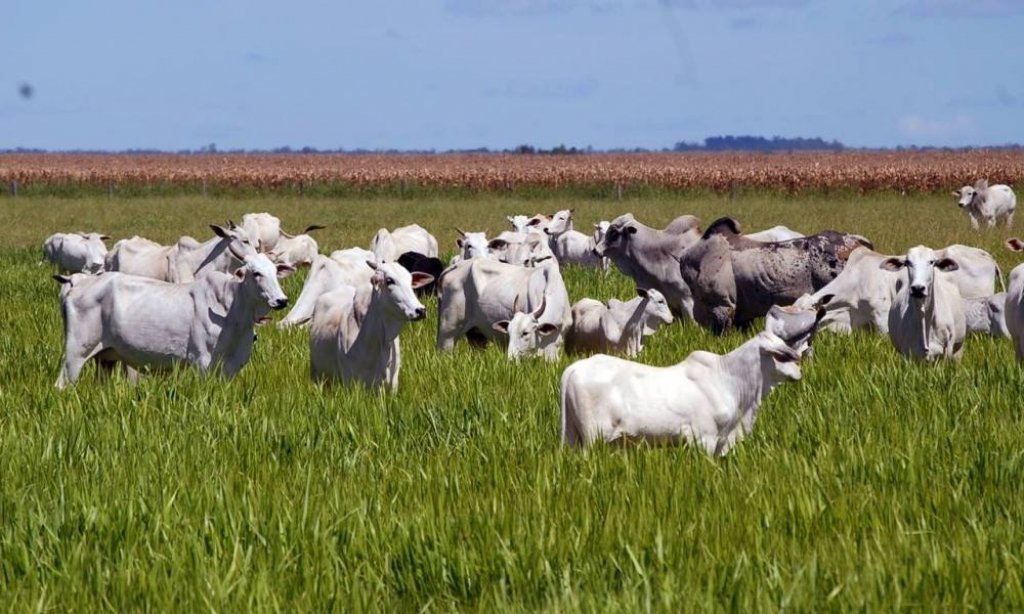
column 666, row 243
column 633, row 328
column 240, row 301
column 211, row 251
column 743, row 368
column 376, row 327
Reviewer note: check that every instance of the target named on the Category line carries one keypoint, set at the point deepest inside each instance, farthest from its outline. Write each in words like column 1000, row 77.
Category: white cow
column 774, row 234
column 145, row 322
column 569, row 245
column 926, row 320
column 1014, row 307
column 296, row 250
column 619, row 327
column 600, row 230
column 863, row 292
column 527, row 333
column 181, row 262
column 263, row 229
column 525, row 249
column 476, row 294
column 357, row 345
column 988, row 203
column 518, row 222
column 326, row 273
column 471, row 245
column 76, row 252
column 986, row 315
column 387, row 245
column 701, row 400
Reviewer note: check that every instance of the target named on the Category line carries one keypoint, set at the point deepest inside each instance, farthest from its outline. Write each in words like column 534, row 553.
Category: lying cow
column 986, row 315
column 181, row 262
column 76, row 252
column 864, row 291
column 736, row 280
column 988, row 203
column 296, row 250
column 774, row 234
column 619, row 327
column 327, row 273
column 142, row 322
column 1014, row 308
column 651, row 257
column 387, row 245
column 476, row 294
column 569, row 245
column 707, row 399
column 360, row 345
column 926, row 320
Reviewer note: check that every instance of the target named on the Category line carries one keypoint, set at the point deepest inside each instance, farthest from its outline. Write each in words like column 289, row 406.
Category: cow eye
column 389, row 281
column 257, row 274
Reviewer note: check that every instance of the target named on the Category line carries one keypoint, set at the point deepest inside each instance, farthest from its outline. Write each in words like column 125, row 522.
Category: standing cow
column 76, row 252
column 988, row 203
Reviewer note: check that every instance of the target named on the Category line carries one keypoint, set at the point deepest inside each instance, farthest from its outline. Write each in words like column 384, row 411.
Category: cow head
column 261, row 275
column 620, row 232
column 239, row 242
column 538, row 222
column 797, row 324
column 526, row 335
column 561, row 222
column 921, row 263
column 472, row 244
column 396, row 287
column 779, row 361
column 968, row 195
column 518, row 222
column 656, row 309
column 600, row 230
column 95, row 251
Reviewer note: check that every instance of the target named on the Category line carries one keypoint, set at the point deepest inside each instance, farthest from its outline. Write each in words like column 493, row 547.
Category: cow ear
column 240, row 272
column 421, row 279
column 892, row 264
column 642, row 292
column 629, row 230
column 104, row 237
column 219, row 231
column 373, row 265
column 547, row 329
column 956, row 193
column 498, row 244
column 458, row 242
column 1014, row 245
column 947, row 265
column 501, row 327
column 284, row 270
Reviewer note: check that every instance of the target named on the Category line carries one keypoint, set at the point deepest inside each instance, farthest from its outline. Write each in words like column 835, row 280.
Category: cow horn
column 460, row 231
column 540, row 310
column 515, row 304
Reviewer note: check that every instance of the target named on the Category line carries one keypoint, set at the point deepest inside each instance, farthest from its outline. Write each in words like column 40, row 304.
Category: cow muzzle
column 918, row 291
column 419, row 314
column 279, row 303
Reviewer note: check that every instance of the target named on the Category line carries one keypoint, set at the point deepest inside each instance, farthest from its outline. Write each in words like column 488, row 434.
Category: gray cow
column 651, row 257
column 735, row 279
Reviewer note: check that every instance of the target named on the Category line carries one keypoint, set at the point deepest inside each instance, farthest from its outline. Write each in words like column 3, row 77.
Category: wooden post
column 302, row 188
column 732, row 190
column 618, row 187
column 14, row 189
column 110, row 189
column 204, row 186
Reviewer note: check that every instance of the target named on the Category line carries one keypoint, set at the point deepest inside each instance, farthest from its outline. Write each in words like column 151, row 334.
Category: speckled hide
column 735, row 280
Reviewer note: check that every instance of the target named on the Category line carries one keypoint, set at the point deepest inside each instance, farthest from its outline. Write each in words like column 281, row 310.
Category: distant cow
column 357, row 345
column 1014, row 308
column 569, row 245
column 387, row 245
column 988, row 203
column 471, row 245
column 76, row 252
column 619, row 327
column 181, row 262
column 736, row 280
column 296, row 250
column 142, row 322
column 707, row 399
column 478, row 293
column 525, row 249
column 327, row 273
column 926, row 320
column 651, row 257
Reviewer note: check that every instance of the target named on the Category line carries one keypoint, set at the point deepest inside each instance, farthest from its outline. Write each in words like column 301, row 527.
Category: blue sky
column 419, row 74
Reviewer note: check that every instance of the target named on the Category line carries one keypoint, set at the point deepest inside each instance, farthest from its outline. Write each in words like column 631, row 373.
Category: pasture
column 873, row 483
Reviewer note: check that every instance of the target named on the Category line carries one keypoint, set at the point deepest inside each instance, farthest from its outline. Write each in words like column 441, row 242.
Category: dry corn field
column 793, row 173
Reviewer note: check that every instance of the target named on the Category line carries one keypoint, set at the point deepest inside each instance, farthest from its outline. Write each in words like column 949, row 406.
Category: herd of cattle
column 147, row 306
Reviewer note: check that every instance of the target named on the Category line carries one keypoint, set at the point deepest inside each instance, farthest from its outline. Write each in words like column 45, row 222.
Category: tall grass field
column 872, row 484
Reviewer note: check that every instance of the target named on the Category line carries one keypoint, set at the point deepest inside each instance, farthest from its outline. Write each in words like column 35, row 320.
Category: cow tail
column 999, row 276
column 571, row 435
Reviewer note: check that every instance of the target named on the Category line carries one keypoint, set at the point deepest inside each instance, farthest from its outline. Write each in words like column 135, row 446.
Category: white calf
column 618, row 327
column 527, row 334
column 926, row 320
column 76, row 252
column 355, row 347
column 702, row 399
column 988, row 203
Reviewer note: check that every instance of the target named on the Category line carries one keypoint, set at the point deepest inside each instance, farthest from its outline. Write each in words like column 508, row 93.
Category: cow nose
column 917, row 291
column 421, row 312
column 280, row 303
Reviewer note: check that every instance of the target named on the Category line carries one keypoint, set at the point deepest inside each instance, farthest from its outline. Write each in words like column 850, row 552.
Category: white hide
column 344, row 267
column 387, row 245
column 987, row 203
column 76, row 252
column 263, row 229
column 619, row 327
column 774, row 235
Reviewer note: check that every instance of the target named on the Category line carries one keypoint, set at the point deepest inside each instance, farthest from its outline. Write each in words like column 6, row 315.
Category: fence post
column 302, row 188
column 732, row 190
column 204, row 187
column 14, row 189
column 618, row 187
column 110, row 189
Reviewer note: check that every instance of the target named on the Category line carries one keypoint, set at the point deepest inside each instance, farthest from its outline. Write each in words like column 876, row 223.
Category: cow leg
column 991, row 221
column 71, row 370
column 1009, row 219
column 974, row 222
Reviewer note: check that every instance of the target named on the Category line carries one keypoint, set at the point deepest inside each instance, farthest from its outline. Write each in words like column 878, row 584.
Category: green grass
column 874, row 483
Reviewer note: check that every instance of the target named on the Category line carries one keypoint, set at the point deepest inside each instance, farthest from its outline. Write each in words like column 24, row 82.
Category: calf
column 988, row 203
column 702, row 400
column 353, row 346
column 76, row 252
column 327, row 273
column 527, row 334
column 926, row 320
column 618, row 327
column 142, row 322
column 571, row 246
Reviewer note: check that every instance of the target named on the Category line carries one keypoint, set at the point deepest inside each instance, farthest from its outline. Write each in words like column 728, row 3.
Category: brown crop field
column 788, row 172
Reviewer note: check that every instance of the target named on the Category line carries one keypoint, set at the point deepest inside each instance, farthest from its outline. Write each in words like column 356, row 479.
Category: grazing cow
column 926, row 320
column 387, row 246
column 143, row 322
column 864, row 291
column 619, row 327
column 76, row 252
column 181, row 262
column 327, row 273
column 774, row 234
column 571, row 246
column 708, row 399
column 357, row 345
column 1014, row 308
column 476, row 294
column 735, row 279
column 988, row 203
column 264, row 230
column 415, row 262
column 296, row 250
column 651, row 257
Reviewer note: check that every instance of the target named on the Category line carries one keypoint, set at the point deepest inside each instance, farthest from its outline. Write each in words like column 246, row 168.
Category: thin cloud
column 961, row 8
column 921, row 127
